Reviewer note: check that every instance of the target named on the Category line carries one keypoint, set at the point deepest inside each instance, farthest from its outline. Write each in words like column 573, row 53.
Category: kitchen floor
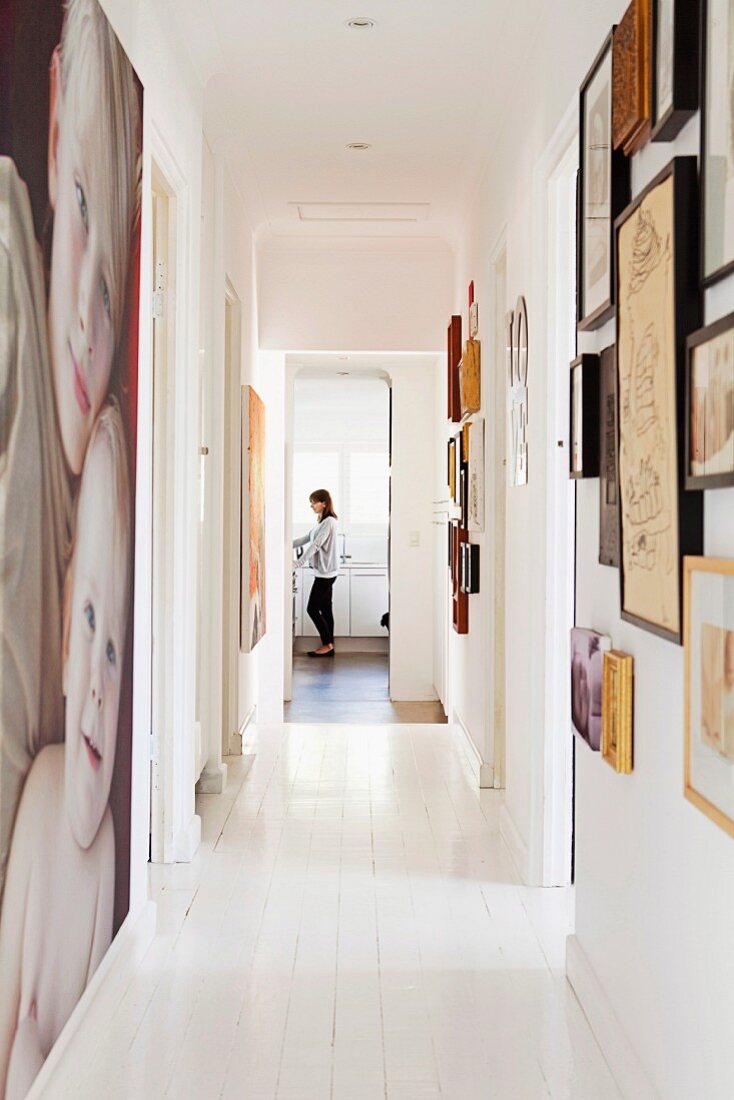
column 351, row 687
column 352, row 929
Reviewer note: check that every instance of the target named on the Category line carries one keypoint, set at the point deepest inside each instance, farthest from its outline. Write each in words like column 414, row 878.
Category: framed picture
column 617, row 710
column 584, row 406
column 657, row 306
column 471, row 378
column 470, row 568
column 453, row 361
column 587, row 650
column 675, row 34
column 717, row 141
column 476, row 475
column 452, row 469
column 631, row 78
column 252, row 517
column 710, row 406
column 603, row 192
column 474, row 320
column 459, row 598
column 709, row 688
column 516, row 328
column 608, row 479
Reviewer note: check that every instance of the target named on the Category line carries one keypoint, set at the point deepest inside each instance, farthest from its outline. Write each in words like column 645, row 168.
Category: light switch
column 415, row 538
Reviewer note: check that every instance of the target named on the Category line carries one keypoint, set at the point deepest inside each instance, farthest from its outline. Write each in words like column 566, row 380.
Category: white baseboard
column 187, row 841
column 69, row 1057
column 238, row 740
column 621, row 1057
column 484, row 772
column 517, row 847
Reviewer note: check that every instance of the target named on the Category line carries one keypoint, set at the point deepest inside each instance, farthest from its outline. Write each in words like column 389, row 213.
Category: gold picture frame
column 617, row 697
column 708, row 625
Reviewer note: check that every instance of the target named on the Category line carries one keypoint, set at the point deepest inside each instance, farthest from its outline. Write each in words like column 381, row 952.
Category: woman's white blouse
column 321, row 548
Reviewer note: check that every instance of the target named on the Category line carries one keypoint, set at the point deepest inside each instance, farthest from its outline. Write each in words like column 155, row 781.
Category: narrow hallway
column 352, row 927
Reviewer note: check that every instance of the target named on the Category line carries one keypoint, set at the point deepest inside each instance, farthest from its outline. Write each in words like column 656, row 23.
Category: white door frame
column 175, row 829
column 230, row 736
column 552, row 763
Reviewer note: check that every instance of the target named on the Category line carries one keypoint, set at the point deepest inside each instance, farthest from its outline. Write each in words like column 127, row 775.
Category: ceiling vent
column 401, row 212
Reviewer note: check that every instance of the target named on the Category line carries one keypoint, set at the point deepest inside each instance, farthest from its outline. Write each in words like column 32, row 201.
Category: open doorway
column 341, row 443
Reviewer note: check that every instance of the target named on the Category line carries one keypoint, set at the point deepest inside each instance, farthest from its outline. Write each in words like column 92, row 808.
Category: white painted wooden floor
column 352, row 928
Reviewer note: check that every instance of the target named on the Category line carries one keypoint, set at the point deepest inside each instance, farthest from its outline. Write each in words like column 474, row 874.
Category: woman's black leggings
column 320, row 608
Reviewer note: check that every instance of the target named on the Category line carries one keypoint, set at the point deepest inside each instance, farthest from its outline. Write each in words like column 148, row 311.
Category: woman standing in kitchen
column 321, row 553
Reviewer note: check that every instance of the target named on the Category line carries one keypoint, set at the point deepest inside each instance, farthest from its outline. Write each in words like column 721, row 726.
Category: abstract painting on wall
column 70, row 271
column 709, row 687
column 253, row 617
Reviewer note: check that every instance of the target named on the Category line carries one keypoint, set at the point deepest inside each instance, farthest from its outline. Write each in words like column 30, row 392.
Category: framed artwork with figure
column 603, row 192
column 709, row 453
column 658, row 304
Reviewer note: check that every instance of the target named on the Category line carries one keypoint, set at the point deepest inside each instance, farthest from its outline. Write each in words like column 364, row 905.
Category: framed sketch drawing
column 709, row 457
column 709, row 688
column 584, row 428
column 657, row 305
column 603, row 193
column 675, row 33
column 476, row 475
column 252, row 519
column 717, row 141
column 617, row 708
column 631, row 78
column 608, row 479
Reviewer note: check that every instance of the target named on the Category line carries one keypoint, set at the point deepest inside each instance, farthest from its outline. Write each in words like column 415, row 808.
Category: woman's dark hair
column 323, row 496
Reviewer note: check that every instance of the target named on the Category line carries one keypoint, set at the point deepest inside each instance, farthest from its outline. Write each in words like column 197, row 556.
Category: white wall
column 654, row 877
column 350, row 297
column 412, row 567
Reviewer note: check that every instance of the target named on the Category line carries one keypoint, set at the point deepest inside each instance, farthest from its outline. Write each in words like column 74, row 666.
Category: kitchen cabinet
column 368, row 602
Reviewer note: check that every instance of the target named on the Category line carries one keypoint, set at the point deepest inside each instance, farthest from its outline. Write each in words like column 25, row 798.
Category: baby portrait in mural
column 69, row 279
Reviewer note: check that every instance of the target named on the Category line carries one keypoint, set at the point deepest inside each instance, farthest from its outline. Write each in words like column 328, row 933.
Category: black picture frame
column 685, row 64
column 619, row 194
column 470, row 568
column 585, row 369
column 708, row 278
column 608, row 464
column 687, row 312
column 701, row 336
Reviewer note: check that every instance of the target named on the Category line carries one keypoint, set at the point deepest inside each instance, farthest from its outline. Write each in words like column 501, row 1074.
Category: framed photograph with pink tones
column 587, row 657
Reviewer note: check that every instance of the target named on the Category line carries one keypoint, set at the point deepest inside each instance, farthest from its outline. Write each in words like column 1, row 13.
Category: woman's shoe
column 313, row 653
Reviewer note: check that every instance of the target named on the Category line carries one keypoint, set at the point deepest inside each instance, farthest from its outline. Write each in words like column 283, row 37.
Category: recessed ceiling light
column 343, row 373
column 359, row 146
column 361, row 23
column 342, row 358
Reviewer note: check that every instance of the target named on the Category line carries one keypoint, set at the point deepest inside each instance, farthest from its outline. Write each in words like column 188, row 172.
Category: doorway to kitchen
column 341, row 443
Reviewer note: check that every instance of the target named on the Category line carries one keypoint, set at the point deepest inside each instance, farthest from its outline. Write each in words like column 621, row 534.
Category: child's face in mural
column 95, row 632
column 80, row 322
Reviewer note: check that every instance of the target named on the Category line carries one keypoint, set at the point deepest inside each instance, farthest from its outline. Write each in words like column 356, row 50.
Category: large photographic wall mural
column 70, row 160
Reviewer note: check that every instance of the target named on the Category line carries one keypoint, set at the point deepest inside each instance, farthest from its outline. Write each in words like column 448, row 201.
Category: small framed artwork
column 658, row 304
column 717, row 141
column 584, row 405
column 608, row 481
column 453, row 359
column 474, row 320
column 470, row 568
column 631, row 78
column 476, row 475
column 710, row 406
column 603, row 192
column 587, row 652
column 675, row 33
column 617, row 710
column 471, row 378
column 709, row 688
column 452, row 469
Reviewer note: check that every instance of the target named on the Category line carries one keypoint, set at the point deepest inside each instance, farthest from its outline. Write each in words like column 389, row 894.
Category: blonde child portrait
column 62, row 862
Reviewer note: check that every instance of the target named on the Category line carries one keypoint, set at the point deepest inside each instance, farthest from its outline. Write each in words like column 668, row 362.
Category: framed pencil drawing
column 675, row 66
column 657, row 305
column 709, row 455
column 608, row 476
column 709, row 688
column 717, row 141
column 603, row 193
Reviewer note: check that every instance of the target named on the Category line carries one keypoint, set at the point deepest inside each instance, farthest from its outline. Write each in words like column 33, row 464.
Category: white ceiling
column 288, row 86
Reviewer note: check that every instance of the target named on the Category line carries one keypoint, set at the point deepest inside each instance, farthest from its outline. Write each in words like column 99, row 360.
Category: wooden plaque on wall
column 631, row 80
column 454, row 362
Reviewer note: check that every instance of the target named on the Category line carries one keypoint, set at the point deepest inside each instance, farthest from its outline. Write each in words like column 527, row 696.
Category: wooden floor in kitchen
column 351, row 687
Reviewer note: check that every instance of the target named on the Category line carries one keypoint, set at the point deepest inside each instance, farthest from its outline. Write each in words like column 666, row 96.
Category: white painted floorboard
column 352, row 928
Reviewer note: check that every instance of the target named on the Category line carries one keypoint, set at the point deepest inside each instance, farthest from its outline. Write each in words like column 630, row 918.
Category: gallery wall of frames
column 652, row 415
